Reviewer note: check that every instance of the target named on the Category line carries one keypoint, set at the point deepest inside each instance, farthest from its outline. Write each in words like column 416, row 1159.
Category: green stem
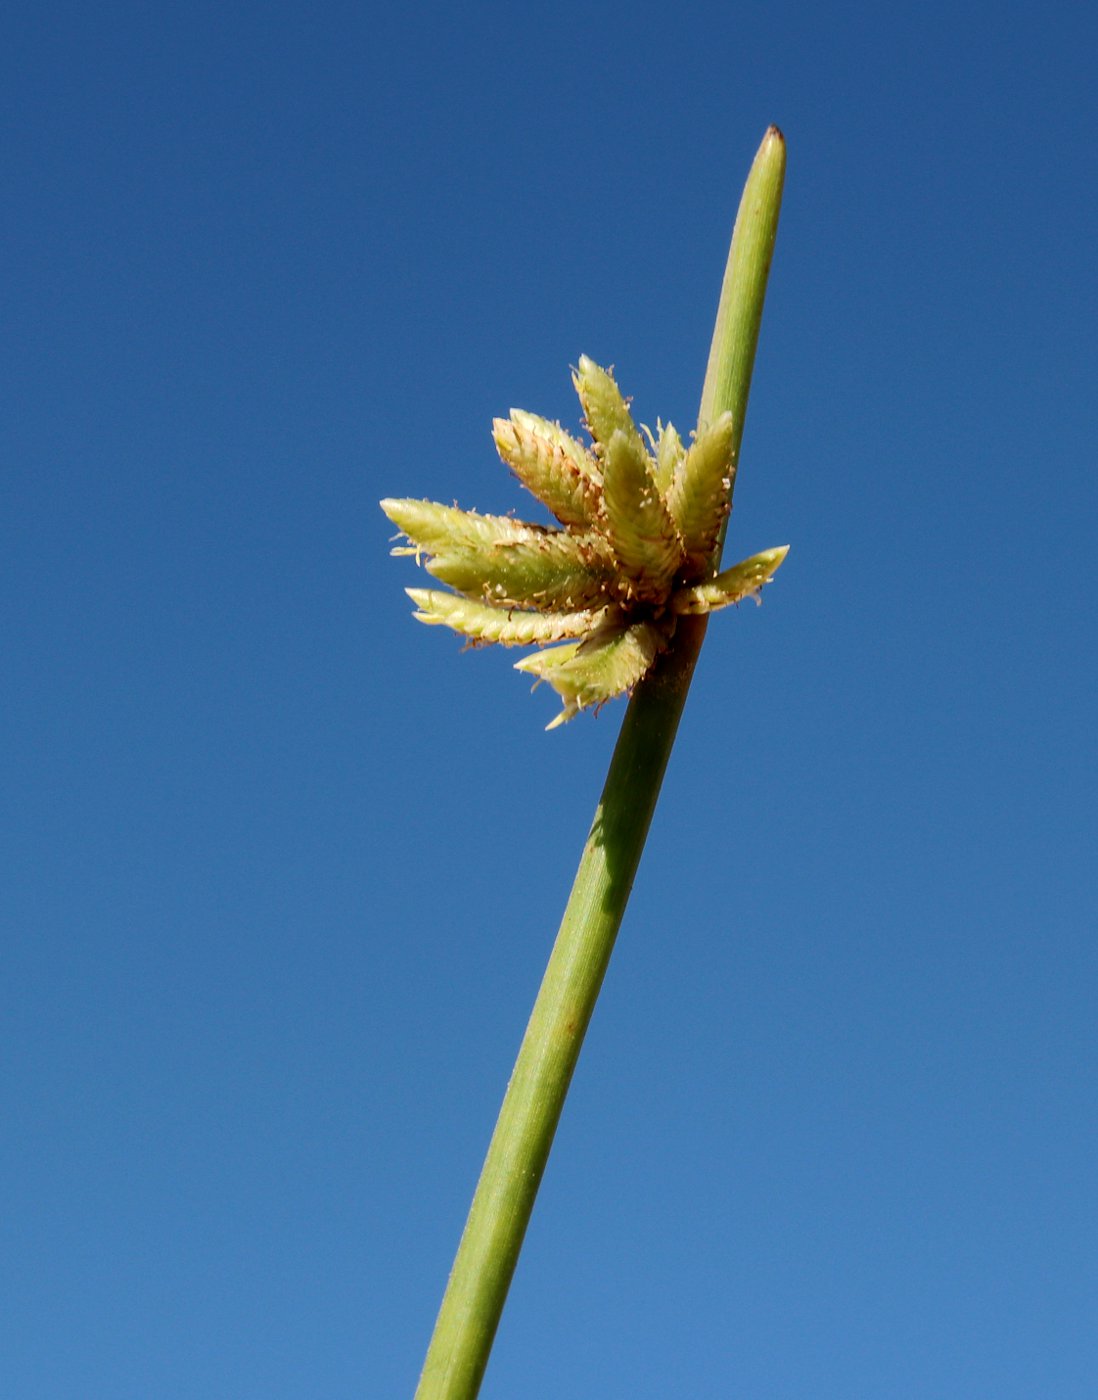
column 512, row 1172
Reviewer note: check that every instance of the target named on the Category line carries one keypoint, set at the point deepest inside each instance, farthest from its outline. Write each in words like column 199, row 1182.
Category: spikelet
column 497, row 559
column 546, row 428
column 481, row 622
column 592, row 672
column 554, row 571
column 433, row 529
column 604, row 407
column 701, row 490
column 669, row 453
column 554, row 468
column 635, row 519
column 742, row 580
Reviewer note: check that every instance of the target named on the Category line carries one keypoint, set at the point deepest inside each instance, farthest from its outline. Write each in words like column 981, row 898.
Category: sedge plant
column 615, row 599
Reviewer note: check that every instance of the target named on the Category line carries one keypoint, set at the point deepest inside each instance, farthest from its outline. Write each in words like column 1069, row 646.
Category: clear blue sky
column 281, row 868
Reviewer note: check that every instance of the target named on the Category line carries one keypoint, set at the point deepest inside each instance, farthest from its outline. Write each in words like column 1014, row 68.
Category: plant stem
column 512, row 1172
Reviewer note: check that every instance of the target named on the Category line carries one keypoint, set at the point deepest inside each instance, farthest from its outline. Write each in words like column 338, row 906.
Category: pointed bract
column 741, row 581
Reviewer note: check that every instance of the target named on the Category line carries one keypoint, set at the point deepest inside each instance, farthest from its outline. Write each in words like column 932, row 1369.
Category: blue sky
column 282, row 868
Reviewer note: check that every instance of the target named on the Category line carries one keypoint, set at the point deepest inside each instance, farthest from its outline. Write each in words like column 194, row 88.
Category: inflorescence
column 639, row 533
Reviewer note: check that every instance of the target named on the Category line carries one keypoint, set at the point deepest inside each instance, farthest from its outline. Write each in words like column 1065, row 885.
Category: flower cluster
column 640, row 521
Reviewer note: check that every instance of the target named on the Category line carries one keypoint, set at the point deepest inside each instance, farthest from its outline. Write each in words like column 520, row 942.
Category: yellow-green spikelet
column 589, row 673
column 502, row 561
column 482, row 622
column 558, row 471
column 700, row 493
